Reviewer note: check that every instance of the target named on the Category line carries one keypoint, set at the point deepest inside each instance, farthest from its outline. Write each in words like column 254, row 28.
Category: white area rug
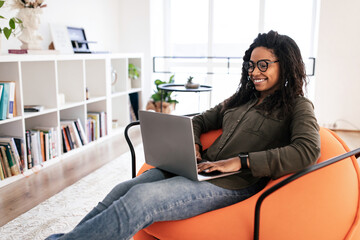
column 62, row 212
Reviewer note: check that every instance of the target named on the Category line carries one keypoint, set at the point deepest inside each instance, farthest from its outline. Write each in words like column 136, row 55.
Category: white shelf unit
column 43, row 79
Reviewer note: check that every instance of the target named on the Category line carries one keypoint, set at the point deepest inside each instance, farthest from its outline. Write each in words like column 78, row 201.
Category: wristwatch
column 243, row 160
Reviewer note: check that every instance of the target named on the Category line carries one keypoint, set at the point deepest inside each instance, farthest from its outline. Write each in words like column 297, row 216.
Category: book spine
column 67, row 147
column 6, row 162
column 10, row 109
column 4, row 100
column 28, row 149
column 35, row 154
column 2, row 176
column 42, row 145
column 47, row 147
column 19, row 142
column 70, row 140
column 3, row 165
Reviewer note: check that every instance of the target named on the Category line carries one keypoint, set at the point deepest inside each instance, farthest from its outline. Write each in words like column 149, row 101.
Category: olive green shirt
column 276, row 146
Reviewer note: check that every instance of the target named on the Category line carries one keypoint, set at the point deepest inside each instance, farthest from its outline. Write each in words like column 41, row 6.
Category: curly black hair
column 292, row 75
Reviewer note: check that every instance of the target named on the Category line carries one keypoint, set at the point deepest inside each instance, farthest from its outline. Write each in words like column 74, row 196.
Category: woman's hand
column 228, row 165
column 197, row 153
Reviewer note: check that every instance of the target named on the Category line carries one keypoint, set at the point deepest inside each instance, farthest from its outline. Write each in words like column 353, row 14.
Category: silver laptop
column 169, row 145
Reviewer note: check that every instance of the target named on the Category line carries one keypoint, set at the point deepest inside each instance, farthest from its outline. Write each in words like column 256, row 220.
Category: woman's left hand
column 228, row 165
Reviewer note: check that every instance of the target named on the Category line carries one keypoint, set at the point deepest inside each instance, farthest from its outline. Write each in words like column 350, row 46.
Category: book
column 2, row 176
column 35, row 148
column 28, row 149
column 32, row 51
column 66, row 144
column 11, row 159
column 90, row 126
column 1, row 91
column 81, row 131
column 3, row 166
column 11, row 99
column 14, row 150
column 5, row 161
column 74, row 133
column 4, row 100
column 50, row 140
column 20, row 145
column 33, row 108
column 96, row 117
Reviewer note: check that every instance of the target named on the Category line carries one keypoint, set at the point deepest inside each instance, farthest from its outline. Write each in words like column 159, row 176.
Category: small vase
column 30, row 37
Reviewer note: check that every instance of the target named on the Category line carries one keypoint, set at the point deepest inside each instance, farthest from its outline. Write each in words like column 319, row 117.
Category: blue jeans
column 152, row 197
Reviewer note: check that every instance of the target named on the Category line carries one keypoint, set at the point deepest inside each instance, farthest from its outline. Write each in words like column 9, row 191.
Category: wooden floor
column 20, row 196
column 25, row 194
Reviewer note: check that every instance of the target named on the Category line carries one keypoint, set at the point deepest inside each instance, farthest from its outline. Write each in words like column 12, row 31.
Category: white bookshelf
column 42, row 79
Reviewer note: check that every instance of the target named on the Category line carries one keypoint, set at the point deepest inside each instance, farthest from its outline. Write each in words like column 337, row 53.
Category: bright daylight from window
column 222, row 28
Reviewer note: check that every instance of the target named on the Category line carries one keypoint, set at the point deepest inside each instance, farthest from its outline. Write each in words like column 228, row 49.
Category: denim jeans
column 152, row 197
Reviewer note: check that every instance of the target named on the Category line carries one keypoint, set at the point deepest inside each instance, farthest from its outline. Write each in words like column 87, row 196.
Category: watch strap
column 243, row 160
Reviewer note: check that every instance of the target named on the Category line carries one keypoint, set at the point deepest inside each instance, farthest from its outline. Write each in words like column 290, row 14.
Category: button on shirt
column 276, row 146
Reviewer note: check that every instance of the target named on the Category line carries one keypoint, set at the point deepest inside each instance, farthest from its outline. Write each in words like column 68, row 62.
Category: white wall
column 337, row 94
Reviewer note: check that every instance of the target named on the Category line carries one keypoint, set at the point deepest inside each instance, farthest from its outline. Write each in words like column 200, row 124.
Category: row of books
column 11, row 157
column 7, row 100
column 96, row 125
column 72, row 135
column 41, row 145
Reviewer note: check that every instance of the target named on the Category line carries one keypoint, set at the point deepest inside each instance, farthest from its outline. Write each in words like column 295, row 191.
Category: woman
column 269, row 130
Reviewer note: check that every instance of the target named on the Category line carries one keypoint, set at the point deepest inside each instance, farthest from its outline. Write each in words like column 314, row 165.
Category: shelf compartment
column 120, row 111
column 135, row 83
column 39, row 83
column 95, row 77
column 119, row 75
column 9, row 72
column 71, row 81
column 49, row 119
column 12, row 127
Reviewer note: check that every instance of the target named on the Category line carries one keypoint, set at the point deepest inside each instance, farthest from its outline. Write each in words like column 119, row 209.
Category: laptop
column 168, row 142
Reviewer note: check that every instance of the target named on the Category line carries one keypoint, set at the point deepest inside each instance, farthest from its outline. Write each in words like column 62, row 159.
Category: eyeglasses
column 262, row 65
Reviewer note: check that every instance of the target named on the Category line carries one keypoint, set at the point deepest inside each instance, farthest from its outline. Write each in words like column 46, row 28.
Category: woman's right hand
column 197, row 152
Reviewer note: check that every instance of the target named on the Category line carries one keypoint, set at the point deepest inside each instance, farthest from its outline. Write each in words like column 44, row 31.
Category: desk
column 181, row 88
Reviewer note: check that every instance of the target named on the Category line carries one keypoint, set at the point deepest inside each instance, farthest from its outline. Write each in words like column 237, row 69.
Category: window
column 226, row 28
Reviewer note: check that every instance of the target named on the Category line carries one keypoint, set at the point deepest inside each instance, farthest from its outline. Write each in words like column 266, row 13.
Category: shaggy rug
column 62, row 212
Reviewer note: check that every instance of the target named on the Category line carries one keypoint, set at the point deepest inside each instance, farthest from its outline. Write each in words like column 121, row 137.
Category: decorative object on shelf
column 33, row 108
column 190, row 84
column 61, row 99
column 114, row 78
column 14, row 27
column 133, row 73
column 168, row 104
column 29, row 13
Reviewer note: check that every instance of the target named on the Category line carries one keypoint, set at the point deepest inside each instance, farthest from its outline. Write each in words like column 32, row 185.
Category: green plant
column 166, row 95
column 14, row 24
column 189, row 80
column 133, row 71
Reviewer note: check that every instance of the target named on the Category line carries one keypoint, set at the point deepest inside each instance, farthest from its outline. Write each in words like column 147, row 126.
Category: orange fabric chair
column 322, row 204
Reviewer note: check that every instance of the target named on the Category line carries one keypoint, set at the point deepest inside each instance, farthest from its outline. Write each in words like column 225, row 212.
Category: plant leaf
column 7, row 32
column 1, row 3
column 12, row 23
column 2, row 17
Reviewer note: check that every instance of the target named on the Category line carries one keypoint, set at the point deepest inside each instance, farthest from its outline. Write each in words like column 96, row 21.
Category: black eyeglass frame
column 247, row 65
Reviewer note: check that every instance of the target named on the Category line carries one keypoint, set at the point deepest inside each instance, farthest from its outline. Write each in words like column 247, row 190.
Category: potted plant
column 14, row 25
column 133, row 71
column 190, row 84
column 168, row 104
